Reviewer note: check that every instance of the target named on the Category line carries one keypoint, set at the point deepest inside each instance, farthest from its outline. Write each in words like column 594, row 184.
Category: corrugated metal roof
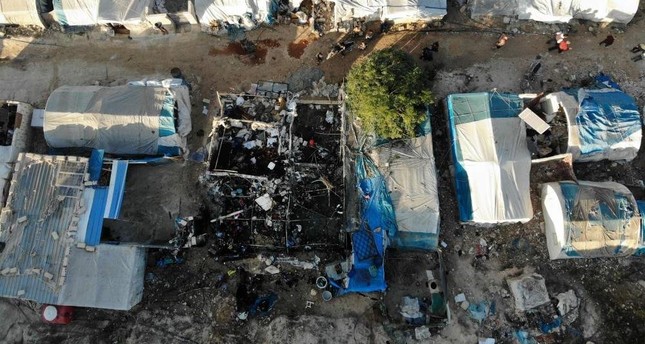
column 39, row 224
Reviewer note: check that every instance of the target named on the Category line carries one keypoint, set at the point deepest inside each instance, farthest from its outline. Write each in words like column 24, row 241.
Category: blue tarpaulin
column 378, row 222
column 603, row 121
column 606, row 117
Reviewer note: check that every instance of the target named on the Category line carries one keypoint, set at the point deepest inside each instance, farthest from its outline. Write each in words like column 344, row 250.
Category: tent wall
column 94, row 12
column 562, row 11
column 396, row 10
column 641, row 245
column 590, row 219
column 209, row 11
column 491, row 160
column 19, row 12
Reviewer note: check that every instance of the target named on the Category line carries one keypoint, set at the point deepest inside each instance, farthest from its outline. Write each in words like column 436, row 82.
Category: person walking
column 639, row 57
column 609, row 40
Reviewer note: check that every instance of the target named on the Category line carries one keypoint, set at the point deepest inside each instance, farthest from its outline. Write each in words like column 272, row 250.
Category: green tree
column 389, row 93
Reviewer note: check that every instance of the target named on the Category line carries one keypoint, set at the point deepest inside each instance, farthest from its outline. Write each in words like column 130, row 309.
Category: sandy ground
column 184, row 304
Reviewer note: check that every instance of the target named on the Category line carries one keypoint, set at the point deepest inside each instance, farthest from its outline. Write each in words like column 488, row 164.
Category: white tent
column 589, row 219
column 560, row 11
column 399, row 11
column 95, row 12
column 19, row 12
column 491, row 160
column 411, row 178
column 131, row 119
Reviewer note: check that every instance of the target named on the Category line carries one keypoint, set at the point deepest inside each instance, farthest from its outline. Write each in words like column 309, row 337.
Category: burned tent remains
column 275, row 178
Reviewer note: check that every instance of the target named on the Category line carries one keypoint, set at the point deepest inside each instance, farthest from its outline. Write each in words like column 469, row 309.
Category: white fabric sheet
column 498, row 164
column 20, row 12
column 411, row 178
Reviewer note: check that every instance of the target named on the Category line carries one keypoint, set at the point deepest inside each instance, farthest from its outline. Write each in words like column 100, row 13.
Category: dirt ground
column 195, row 302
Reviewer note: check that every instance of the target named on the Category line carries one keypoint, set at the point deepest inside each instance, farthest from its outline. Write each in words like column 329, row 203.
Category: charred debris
column 275, row 179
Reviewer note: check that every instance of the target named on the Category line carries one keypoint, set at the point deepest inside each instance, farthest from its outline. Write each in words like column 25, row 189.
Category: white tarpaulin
column 396, row 10
column 111, row 277
column 232, row 11
column 589, row 219
column 557, row 11
column 411, row 178
column 491, row 159
column 19, row 12
column 121, row 120
column 93, row 12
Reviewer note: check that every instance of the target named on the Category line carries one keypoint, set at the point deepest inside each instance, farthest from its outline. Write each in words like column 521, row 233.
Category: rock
column 506, row 20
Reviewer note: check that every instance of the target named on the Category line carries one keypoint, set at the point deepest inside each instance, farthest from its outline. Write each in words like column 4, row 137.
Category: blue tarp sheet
column 378, row 222
column 606, row 117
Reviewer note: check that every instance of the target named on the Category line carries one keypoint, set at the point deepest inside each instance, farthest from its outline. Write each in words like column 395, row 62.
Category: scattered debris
column 568, row 306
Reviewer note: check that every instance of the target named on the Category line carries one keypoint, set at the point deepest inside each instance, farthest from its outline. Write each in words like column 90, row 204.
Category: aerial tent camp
column 589, row 219
column 491, row 160
column 141, row 119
